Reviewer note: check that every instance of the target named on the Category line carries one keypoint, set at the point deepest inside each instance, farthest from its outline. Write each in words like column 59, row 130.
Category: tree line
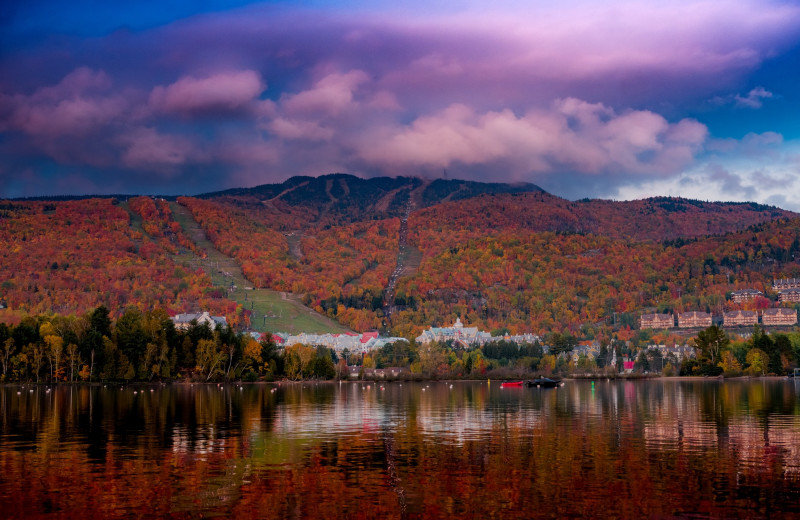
column 146, row 346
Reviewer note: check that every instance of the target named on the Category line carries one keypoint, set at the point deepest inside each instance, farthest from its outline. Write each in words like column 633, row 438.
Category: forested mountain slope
column 497, row 255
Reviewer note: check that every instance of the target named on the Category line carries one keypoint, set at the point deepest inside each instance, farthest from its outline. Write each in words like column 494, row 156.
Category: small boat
column 544, row 382
column 511, row 384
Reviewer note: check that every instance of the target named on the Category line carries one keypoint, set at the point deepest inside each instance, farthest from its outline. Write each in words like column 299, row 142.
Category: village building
column 739, row 318
column 789, row 295
column 656, row 321
column 680, row 352
column 352, row 342
column 744, row 295
column 184, row 321
column 357, row 371
column 785, row 283
column 693, row 319
column 458, row 333
column 779, row 316
column 627, row 366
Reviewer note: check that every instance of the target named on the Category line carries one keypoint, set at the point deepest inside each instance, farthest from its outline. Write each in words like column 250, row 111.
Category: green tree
column 710, row 343
column 757, row 360
column 209, row 358
column 642, row 364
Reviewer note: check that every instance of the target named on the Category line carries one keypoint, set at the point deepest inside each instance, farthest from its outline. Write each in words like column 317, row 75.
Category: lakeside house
column 693, row 319
column 744, row 295
column 739, row 318
column 184, row 321
column 779, row 316
column 656, row 321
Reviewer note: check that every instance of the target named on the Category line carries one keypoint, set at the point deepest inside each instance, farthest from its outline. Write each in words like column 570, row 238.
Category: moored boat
column 544, row 382
column 510, row 384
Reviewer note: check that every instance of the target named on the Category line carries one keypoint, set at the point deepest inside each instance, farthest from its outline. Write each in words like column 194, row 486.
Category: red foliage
column 69, row 257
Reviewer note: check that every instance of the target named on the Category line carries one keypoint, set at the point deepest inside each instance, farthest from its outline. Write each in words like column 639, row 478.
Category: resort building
column 744, row 295
column 785, row 283
column 739, row 318
column 692, row 319
column 789, row 295
column 779, row 316
column 350, row 341
column 656, row 321
column 466, row 336
column 184, row 321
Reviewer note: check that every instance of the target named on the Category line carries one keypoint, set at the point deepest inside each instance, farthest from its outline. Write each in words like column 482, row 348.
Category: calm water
column 609, row 449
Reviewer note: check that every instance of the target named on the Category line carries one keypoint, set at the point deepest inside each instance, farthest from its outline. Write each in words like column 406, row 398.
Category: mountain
column 401, row 253
column 341, row 198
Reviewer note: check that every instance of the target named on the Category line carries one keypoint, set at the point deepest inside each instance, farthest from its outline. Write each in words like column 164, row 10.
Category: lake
column 626, row 449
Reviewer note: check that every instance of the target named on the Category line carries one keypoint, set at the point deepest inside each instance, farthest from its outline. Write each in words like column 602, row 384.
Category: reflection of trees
column 336, row 451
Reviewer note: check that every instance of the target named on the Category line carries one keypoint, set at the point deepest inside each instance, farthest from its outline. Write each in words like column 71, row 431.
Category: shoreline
column 140, row 384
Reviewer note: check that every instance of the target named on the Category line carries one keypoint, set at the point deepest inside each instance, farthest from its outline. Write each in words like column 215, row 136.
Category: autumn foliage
column 68, row 257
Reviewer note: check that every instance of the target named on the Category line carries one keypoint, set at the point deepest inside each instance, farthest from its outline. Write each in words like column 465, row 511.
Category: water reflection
column 330, row 450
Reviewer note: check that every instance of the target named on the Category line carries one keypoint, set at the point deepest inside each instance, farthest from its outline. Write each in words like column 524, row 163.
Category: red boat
column 509, row 384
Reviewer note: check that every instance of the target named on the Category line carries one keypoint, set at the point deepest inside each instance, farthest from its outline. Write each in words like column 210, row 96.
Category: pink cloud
column 77, row 105
column 331, row 95
column 146, row 148
column 572, row 135
column 224, row 92
column 298, row 129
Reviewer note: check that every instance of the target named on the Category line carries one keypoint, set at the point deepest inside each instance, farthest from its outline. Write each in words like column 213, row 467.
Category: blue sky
column 586, row 99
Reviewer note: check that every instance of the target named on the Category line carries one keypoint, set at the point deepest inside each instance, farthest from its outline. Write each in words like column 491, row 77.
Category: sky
column 600, row 99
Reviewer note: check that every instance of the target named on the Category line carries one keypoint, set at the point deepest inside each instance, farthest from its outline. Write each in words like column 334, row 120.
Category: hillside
column 398, row 254
column 657, row 219
column 68, row 257
column 528, row 260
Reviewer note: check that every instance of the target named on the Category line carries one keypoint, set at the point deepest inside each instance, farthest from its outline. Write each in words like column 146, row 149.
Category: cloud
column 750, row 145
column 753, row 99
column 730, row 184
column 331, row 95
column 298, row 129
column 572, row 135
column 221, row 93
column 148, row 149
column 78, row 105
column 579, row 94
column 729, row 175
